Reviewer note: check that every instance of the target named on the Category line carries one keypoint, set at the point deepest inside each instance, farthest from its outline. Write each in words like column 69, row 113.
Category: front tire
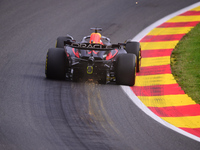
column 56, row 64
column 126, row 69
column 134, row 48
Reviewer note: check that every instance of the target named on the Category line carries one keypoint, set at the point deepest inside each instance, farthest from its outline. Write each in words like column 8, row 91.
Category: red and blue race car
column 94, row 59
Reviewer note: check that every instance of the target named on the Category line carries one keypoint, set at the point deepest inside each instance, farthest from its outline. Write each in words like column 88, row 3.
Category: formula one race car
column 94, row 59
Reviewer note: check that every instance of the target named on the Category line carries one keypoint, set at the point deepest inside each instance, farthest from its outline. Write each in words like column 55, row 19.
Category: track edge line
column 135, row 99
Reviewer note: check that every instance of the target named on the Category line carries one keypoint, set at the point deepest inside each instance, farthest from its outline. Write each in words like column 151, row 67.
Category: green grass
column 185, row 63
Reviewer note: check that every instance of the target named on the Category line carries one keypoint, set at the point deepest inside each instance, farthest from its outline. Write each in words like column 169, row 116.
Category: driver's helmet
column 95, row 38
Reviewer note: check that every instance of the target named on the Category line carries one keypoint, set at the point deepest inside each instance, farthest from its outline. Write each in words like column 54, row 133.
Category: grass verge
column 185, row 63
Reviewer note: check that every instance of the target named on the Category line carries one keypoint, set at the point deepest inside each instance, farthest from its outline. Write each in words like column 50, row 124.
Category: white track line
column 144, row 32
column 135, row 99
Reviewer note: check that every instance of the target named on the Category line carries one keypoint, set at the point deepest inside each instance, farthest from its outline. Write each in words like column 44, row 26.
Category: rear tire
column 56, row 64
column 126, row 69
column 134, row 48
column 60, row 41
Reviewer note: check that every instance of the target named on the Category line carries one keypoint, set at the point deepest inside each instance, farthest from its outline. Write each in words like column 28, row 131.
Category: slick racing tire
column 126, row 69
column 56, row 64
column 60, row 41
column 134, row 48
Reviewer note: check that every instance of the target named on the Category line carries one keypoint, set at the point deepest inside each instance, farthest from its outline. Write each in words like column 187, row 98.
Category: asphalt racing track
column 36, row 113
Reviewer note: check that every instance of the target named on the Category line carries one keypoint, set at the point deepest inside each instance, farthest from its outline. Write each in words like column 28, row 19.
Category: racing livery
column 94, row 59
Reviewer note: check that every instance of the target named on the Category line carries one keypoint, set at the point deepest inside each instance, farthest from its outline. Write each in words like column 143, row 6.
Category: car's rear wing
column 96, row 47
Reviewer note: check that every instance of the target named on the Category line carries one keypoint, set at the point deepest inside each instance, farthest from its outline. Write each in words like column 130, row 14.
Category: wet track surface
column 36, row 113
